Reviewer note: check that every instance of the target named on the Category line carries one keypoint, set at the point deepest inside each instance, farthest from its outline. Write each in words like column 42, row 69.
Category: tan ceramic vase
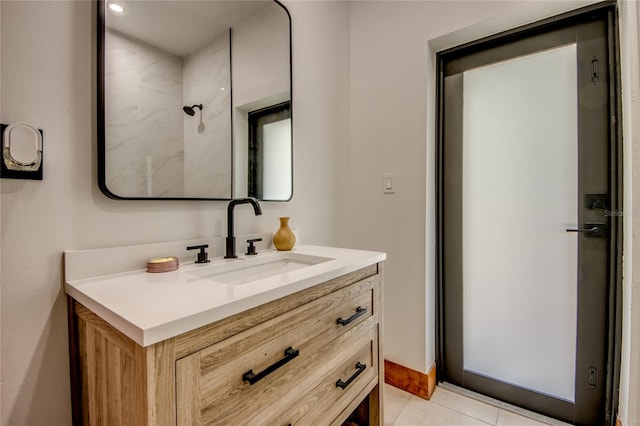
column 283, row 239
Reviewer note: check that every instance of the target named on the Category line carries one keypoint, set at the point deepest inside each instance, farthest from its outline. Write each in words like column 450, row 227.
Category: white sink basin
column 243, row 271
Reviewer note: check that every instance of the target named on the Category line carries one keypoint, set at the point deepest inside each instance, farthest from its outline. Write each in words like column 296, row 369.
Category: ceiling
column 186, row 25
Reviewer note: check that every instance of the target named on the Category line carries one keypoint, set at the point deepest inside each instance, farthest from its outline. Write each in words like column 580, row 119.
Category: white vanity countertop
column 151, row 307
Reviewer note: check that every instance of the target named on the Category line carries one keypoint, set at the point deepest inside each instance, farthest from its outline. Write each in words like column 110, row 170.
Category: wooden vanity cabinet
column 311, row 358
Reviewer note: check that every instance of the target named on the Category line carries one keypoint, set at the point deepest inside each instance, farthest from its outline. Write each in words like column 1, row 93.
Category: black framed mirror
column 177, row 83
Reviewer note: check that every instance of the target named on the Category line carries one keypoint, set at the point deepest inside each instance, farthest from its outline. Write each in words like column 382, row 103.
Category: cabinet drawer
column 352, row 368
column 213, row 386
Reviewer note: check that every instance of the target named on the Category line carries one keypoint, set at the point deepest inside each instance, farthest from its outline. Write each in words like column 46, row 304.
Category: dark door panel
column 598, row 253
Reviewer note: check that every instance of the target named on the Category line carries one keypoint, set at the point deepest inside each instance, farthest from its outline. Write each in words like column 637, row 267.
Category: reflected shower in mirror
column 177, row 83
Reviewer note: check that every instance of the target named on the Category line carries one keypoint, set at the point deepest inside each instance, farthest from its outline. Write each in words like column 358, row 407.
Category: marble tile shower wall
column 143, row 108
column 207, row 142
column 153, row 147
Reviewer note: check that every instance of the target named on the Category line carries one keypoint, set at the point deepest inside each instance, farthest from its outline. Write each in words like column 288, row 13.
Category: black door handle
column 252, row 378
column 592, row 230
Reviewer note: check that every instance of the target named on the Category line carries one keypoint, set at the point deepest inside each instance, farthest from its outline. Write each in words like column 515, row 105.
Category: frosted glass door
column 527, row 150
column 520, row 180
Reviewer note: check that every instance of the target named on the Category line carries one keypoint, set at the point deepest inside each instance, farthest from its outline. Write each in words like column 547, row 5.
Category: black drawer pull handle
column 252, row 378
column 359, row 312
column 343, row 385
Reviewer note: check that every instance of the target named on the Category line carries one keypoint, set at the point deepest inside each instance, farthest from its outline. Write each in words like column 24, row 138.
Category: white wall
column 392, row 114
column 389, row 77
column 259, row 42
column 0, row 223
column 47, row 78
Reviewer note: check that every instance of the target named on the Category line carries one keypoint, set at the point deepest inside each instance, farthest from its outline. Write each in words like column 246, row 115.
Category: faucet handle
column 203, row 256
column 251, row 249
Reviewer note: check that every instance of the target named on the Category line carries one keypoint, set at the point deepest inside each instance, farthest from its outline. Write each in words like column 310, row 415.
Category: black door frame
column 257, row 120
column 614, row 302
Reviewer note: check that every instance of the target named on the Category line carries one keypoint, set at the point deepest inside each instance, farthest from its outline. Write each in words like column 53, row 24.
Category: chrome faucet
column 231, row 239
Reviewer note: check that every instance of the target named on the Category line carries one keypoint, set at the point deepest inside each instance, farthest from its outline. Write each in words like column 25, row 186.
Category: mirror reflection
column 194, row 100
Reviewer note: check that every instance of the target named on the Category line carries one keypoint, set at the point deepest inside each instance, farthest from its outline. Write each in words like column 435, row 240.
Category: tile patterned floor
column 447, row 408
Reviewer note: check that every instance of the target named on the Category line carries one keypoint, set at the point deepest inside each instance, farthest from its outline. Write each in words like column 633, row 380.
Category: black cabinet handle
column 359, row 312
column 343, row 385
column 252, row 378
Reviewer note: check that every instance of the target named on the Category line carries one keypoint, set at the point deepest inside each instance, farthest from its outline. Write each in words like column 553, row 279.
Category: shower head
column 189, row 110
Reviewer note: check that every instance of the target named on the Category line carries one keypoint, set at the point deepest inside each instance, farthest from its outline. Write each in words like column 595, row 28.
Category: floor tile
column 521, row 415
column 506, row 418
column 419, row 412
column 394, row 401
column 464, row 405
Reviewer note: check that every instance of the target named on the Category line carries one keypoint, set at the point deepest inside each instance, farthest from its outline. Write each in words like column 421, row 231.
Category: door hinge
column 594, row 71
column 592, row 376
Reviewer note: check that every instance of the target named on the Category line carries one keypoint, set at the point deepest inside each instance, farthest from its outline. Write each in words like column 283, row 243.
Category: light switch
column 388, row 183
